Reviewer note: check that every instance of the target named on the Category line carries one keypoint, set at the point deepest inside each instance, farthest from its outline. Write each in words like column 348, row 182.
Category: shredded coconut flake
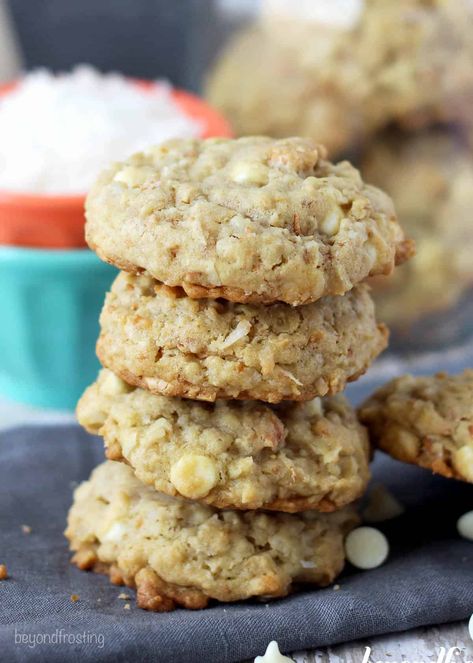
column 58, row 132
column 308, row 564
column 291, row 376
column 241, row 330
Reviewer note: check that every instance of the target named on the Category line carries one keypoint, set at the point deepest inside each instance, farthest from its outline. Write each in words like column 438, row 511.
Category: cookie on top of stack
column 391, row 84
column 244, row 261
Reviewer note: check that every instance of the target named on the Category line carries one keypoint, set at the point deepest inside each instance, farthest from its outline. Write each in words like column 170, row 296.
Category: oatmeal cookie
column 430, row 177
column 239, row 455
column 427, row 421
column 179, row 553
column 250, row 220
column 404, row 61
column 155, row 337
column 416, row 57
column 265, row 87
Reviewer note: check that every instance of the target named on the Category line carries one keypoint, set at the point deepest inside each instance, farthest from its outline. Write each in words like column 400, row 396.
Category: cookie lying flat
column 242, row 455
column 427, row 421
column 249, row 220
column 181, row 553
column 157, row 338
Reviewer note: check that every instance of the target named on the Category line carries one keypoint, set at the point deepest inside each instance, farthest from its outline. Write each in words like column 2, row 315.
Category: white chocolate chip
column 462, row 460
column 330, row 224
column 194, row 475
column 248, row 172
column 311, row 182
column 382, row 505
column 157, row 431
column 112, row 385
column 132, row 176
column 238, row 225
column 465, row 525
column 273, row 655
column 366, row 547
column 115, row 533
column 155, row 384
column 240, row 467
column 371, row 253
column 314, row 408
column 248, row 492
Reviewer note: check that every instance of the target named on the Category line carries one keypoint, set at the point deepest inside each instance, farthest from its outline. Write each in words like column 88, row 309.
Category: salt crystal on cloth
column 58, row 131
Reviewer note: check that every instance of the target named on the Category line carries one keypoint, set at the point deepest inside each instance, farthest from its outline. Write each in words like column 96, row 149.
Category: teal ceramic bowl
column 50, row 303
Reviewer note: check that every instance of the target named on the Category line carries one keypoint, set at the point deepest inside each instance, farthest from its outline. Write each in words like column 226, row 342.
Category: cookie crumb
column 3, row 572
column 74, row 598
column 336, row 588
column 126, row 606
column 26, row 529
column 124, row 596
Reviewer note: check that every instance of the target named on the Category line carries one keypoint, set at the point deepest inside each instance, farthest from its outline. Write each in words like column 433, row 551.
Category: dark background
column 175, row 39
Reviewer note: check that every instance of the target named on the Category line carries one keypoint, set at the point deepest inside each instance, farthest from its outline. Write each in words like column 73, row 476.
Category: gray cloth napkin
column 428, row 578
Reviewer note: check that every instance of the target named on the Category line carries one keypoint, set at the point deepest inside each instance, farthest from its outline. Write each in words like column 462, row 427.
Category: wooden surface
column 421, row 645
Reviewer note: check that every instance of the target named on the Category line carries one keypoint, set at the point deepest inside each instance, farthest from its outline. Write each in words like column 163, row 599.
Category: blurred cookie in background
column 416, row 56
column 342, row 70
column 430, row 177
column 265, row 86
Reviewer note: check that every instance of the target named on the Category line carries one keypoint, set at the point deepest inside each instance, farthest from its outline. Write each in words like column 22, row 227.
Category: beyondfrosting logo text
column 60, row 637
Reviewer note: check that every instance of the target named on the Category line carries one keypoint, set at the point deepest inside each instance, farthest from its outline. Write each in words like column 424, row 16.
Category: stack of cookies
column 239, row 314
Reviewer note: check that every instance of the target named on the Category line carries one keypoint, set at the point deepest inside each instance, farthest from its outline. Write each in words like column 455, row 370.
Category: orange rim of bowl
column 56, row 221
